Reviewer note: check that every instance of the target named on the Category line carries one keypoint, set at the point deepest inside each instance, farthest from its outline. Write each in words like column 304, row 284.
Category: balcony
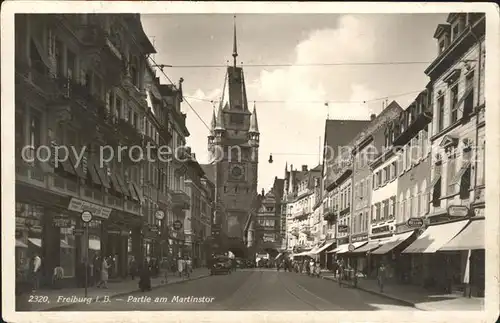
column 301, row 215
column 345, row 211
column 306, row 229
column 166, row 133
column 128, row 132
column 295, row 232
column 42, row 177
column 329, row 213
column 180, row 200
column 34, row 80
column 417, row 124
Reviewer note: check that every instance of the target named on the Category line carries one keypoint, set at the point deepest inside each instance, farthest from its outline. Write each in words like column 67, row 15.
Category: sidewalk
column 416, row 296
column 115, row 289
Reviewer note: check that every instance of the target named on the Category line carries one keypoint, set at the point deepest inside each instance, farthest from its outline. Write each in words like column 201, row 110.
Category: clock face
column 237, row 172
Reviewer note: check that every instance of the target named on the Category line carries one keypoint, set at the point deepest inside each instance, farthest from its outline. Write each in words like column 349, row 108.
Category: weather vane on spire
column 235, row 46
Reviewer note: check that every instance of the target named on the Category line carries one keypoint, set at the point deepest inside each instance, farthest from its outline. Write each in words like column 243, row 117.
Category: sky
column 290, row 97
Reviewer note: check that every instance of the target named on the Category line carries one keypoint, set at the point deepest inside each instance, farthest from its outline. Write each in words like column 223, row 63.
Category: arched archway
column 238, row 252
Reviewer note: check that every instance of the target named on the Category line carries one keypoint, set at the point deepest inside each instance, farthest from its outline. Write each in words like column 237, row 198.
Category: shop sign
column 177, row 225
column 80, row 206
column 343, row 228
column 458, row 210
column 114, row 232
column 124, row 233
column 415, row 222
column 381, row 229
column 77, row 232
column 61, row 222
column 154, row 228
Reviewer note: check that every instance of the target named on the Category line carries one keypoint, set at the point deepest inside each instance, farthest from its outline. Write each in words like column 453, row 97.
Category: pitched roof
column 209, row 170
column 339, row 133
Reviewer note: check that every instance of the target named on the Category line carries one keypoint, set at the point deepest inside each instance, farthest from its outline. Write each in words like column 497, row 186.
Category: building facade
column 299, row 190
column 68, row 85
column 458, row 147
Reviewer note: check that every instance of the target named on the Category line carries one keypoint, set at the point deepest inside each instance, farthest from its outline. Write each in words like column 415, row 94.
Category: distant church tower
column 234, row 142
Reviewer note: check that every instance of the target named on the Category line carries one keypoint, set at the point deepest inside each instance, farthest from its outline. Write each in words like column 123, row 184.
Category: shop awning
column 20, row 244
column 94, row 244
column 342, row 247
column 139, row 192
column 356, row 246
column 132, row 191
column 436, row 236
column 458, row 176
column 367, row 247
column 102, row 174
column 122, row 184
column 279, row 255
column 433, row 183
column 66, row 164
column 79, row 169
column 395, row 241
column 325, row 246
column 93, row 172
column 471, row 238
column 116, row 184
column 37, row 242
column 303, row 253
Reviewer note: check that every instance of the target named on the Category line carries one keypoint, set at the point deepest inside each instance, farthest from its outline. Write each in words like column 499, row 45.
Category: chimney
column 263, row 192
column 193, row 156
column 373, row 116
column 304, row 168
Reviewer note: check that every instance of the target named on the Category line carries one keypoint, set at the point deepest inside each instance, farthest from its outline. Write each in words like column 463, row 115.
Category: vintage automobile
column 220, row 264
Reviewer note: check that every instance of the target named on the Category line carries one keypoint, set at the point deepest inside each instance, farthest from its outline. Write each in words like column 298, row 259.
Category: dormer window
column 457, row 22
column 442, row 34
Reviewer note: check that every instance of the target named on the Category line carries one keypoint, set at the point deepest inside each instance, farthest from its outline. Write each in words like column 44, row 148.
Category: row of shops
column 54, row 232
column 445, row 256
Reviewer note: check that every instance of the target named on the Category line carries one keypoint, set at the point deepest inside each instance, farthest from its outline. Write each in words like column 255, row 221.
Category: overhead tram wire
column 318, row 101
column 309, row 65
column 160, row 67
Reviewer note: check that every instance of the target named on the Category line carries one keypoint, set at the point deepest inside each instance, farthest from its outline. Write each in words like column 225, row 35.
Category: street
column 251, row 289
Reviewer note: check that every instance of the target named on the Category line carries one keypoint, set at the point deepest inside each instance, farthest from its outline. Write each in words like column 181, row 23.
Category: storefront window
column 28, row 236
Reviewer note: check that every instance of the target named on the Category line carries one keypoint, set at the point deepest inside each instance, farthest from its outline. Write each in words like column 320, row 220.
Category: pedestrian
column 180, row 266
column 312, row 266
column 36, row 272
column 145, row 277
column 104, row 274
column 381, row 277
column 189, row 266
column 133, row 268
column 57, row 277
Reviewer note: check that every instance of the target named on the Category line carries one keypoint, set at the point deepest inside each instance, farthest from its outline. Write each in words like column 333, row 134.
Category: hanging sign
column 415, row 222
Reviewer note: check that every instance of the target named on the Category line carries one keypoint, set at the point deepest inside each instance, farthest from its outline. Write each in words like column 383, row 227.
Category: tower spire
column 254, row 126
column 235, row 43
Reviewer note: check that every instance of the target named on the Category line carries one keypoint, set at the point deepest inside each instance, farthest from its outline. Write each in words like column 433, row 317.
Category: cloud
column 298, row 85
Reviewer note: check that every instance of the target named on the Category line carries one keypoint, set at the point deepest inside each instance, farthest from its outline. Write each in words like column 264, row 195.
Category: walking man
column 381, row 277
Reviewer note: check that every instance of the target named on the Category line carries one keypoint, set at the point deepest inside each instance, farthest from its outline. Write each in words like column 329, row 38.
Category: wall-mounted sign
column 351, row 247
column 343, row 228
column 86, row 216
column 415, row 222
column 79, row 206
column 77, row 232
column 61, row 222
column 381, row 229
column 177, row 225
column 458, row 210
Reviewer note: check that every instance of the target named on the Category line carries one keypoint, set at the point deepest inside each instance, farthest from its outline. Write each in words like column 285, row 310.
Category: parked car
column 220, row 264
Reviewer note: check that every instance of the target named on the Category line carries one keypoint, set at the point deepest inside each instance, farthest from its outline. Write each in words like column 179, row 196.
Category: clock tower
column 233, row 145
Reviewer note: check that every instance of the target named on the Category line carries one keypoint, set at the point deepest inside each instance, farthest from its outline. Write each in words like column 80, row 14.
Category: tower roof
column 219, row 121
column 213, row 124
column 254, row 126
column 235, row 43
